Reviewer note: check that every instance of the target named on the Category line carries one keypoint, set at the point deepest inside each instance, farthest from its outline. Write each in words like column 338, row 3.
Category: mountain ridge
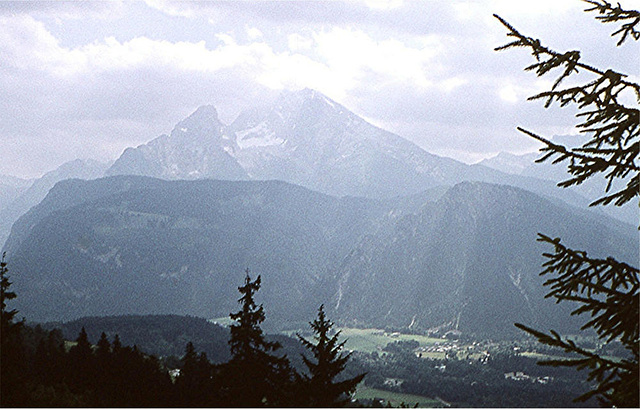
column 305, row 138
column 181, row 247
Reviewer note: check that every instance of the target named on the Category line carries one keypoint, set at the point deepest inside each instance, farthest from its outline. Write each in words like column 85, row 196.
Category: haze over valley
column 363, row 203
column 325, row 206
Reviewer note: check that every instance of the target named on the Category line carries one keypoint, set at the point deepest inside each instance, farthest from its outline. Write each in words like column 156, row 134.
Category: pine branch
column 603, row 370
column 587, row 162
column 612, row 14
column 554, row 148
column 556, row 59
column 607, row 289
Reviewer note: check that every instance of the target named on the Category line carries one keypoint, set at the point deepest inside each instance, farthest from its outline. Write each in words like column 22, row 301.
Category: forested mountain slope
column 465, row 258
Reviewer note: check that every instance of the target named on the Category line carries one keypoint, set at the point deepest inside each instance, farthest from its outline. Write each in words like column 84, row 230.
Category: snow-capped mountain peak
column 304, row 138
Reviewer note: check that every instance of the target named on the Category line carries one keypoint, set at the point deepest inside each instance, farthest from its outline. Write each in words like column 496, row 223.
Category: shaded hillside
column 464, row 258
column 69, row 193
column 181, row 248
column 469, row 261
column 32, row 194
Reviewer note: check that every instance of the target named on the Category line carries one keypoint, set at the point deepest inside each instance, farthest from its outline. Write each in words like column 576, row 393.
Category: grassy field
column 539, row 356
column 396, row 399
column 371, row 339
column 224, row 321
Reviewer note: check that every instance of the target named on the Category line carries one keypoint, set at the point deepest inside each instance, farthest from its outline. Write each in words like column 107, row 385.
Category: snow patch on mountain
column 259, row 135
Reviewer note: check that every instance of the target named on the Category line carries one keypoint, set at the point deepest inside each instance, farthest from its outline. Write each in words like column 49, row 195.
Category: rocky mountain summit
column 305, row 138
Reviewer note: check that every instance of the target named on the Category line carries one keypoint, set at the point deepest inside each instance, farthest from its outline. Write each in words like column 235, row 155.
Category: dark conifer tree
column 321, row 387
column 192, row 384
column 256, row 377
column 12, row 352
column 44, row 363
column 606, row 289
column 104, row 369
column 7, row 326
column 81, row 364
column 103, row 350
column 116, row 347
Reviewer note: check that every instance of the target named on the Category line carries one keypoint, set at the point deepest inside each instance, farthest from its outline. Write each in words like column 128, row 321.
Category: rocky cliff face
column 304, row 138
column 195, row 149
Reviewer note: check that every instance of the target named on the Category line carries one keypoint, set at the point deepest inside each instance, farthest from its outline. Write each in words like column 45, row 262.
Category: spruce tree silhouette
column 103, row 350
column 194, row 385
column 7, row 326
column 606, row 289
column 12, row 363
column 320, row 387
column 254, row 375
column 81, row 364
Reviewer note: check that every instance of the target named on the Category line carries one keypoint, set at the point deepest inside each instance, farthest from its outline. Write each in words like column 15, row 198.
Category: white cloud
column 383, row 4
column 25, row 42
column 27, row 45
column 471, row 10
column 353, row 53
column 253, row 33
column 298, row 42
column 508, row 93
column 332, row 61
column 538, row 7
column 452, row 83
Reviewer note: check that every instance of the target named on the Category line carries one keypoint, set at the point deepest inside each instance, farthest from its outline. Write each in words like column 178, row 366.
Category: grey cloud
column 67, row 9
column 99, row 115
column 465, row 119
column 413, row 17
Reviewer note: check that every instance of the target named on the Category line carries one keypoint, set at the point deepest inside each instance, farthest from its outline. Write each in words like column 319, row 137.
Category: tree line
column 40, row 368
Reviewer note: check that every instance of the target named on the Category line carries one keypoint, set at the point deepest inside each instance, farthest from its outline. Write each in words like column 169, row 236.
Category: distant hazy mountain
column 592, row 189
column 195, row 149
column 307, row 139
column 304, row 138
column 514, row 164
column 464, row 257
column 10, row 188
column 38, row 189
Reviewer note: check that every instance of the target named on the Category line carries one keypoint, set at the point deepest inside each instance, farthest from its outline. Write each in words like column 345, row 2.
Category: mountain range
column 138, row 245
column 24, row 194
column 325, row 206
column 307, row 139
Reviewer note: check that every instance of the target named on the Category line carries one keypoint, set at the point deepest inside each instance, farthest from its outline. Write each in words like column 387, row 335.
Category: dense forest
column 154, row 364
column 40, row 368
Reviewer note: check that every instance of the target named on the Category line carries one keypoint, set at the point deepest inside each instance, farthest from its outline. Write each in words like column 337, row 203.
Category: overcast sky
column 88, row 79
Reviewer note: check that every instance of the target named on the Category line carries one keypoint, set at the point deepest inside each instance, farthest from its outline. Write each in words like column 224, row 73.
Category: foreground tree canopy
column 606, row 289
column 38, row 370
